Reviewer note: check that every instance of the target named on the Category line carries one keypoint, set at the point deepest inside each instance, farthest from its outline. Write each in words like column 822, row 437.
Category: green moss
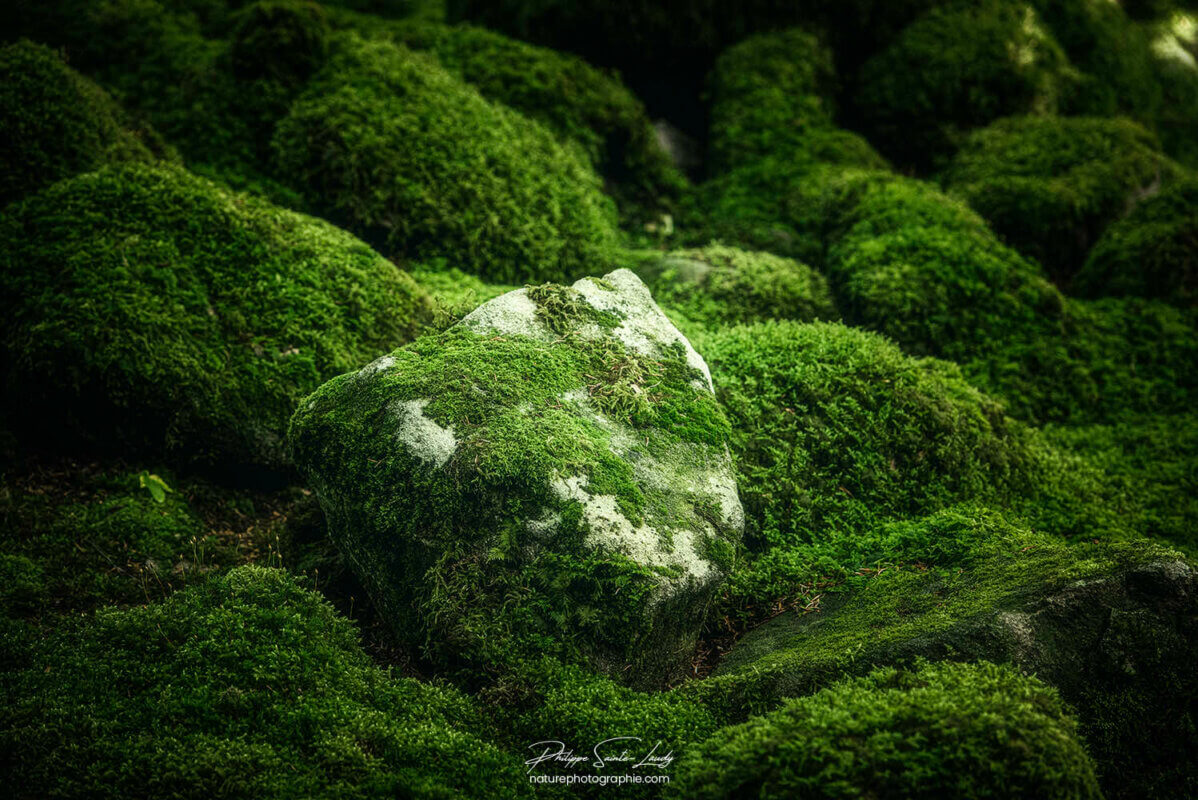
column 153, row 309
column 477, row 551
column 1112, row 54
column 1050, row 186
column 838, row 433
column 455, row 293
column 959, row 67
column 391, row 145
column 1098, row 622
column 247, row 685
column 718, row 285
column 1175, row 70
column 576, row 101
column 280, row 40
column 1152, row 252
column 157, row 59
column 936, row 730
column 769, row 93
column 1152, row 459
column 57, row 123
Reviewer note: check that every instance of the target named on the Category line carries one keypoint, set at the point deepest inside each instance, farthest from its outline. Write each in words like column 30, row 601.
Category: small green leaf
column 155, row 485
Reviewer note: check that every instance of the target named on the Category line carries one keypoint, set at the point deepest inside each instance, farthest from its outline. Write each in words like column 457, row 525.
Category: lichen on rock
column 549, row 475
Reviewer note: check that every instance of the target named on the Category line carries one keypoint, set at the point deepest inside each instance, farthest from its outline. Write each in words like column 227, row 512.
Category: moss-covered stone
column 248, row 685
column 837, row 432
column 56, row 123
column 151, row 309
column 771, row 95
column 1049, row 186
column 716, row 285
column 958, row 67
column 906, row 260
column 548, row 475
column 1152, row 252
column 388, row 143
column 281, row 40
column 1110, row 626
column 936, row 730
column 573, row 99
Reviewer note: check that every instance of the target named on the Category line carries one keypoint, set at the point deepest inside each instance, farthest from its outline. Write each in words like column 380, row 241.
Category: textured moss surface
column 247, row 685
column 1110, row 626
column 557, row 445
column 150, row 307
column 1050, row 186
column 959, row 730
column 389, row 144
column 578, row 102
column 771, row 94
column 56, row 123
column 714, row 286
column 959, row 67
column 1152, row 252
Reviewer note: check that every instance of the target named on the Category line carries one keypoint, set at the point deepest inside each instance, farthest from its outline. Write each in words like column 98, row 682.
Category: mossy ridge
column 1152, row 252
column 252, row 685
column 1049, row 186
column 838, row 433
column 717, row 285
column 489, row 534
column 443, row 173
column 769, row 95
column 174, row 65
column 58, row 123
column 960, row 66
column 1095, row 621
column 934, row 730
column 576, row 101
column 198, row 317
column 1151, row 460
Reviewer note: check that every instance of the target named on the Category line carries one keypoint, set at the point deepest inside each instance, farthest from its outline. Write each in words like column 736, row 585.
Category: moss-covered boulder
column 1112, row 627
column 772, row 94
column 712, row 286
column 936, row 730
column 578, row 102
column 1152, row 252
column 147, row 308
column 1049, row 186
column 248, row 685
column 550, row 475
column 280, row 40
column 386, row 142
column 837, row 432
column 56, row 123
column 958, row 67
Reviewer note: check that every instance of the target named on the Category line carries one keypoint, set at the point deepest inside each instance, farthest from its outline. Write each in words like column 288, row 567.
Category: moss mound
column 1152, row 252
column 771, row 94
column 147, row 307
column 956, row 68
column 937, row 730
column 548, row 476
column 246, row 685
column 837, row 431
column 56, row 123
column 1049, row 186
column 573, row 99
column 281, row 40
column 388, row 143
column 716, row 285
column 1106, row 625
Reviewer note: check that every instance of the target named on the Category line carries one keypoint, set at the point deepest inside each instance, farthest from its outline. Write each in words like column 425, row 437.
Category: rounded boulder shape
column 151, row 310
column 549, row 476
column 387, row 143
column 56, row 122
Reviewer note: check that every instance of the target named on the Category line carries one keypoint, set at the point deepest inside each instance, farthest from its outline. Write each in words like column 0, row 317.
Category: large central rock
column 550, row 475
